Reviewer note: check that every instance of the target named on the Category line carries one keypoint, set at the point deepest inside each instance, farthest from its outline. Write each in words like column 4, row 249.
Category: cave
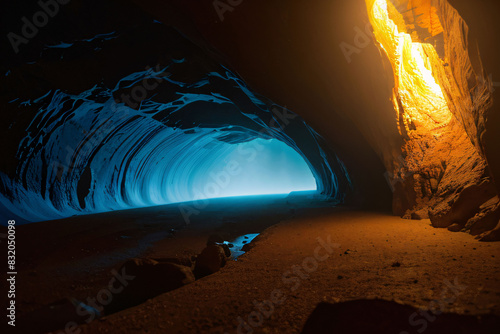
column 236, row 166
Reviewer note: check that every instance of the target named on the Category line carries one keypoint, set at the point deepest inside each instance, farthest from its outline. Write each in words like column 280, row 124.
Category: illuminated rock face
column 440, row 104
column 179, row 129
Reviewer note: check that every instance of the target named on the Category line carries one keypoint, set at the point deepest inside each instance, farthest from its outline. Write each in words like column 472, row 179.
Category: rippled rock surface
column 141, row 116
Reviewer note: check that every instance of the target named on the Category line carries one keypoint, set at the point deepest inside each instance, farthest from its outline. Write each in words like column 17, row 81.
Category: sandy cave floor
column 373, row 255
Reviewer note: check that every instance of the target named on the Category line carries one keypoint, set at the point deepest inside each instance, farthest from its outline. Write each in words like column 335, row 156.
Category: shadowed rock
column 387, row 317
column 148, row 279
column 210, row 260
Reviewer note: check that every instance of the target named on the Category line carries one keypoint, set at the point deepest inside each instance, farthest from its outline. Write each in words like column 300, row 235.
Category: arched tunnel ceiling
column 148, row 135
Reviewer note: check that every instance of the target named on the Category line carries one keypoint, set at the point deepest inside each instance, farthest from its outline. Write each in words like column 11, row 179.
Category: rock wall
column 443, row 173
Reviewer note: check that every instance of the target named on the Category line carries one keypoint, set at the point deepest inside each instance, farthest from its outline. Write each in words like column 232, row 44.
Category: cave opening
column 203, row 137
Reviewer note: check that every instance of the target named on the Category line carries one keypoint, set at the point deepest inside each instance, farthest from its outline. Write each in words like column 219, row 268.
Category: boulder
column 486, row 219
column 148, row 279
column 210, row 260
column 464, row 206
column 493, row 235
column 388, row 317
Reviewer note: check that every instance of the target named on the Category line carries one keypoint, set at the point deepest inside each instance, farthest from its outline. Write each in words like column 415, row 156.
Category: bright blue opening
column 259, row 167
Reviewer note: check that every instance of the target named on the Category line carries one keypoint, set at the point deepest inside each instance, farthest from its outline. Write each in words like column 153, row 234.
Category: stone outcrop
column 148, row 279
column 389, row 317
column 210, row 260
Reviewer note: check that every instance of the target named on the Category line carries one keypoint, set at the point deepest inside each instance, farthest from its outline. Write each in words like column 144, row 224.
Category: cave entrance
column 257, row 167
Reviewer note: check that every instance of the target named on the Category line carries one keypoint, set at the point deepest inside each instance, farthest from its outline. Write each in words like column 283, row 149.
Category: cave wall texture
column 447, row 173
column 321, row 60
column 128, row 112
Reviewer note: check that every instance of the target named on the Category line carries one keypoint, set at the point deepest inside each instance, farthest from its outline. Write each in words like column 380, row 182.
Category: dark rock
column 247, row 247
column 420, row 214
column 466, row 205
column 493, row 235
column 491, row 203
column 486, row 219
column 396, row 265
column 148, row 279
column 227, row 251
column 388, row 317
column 210, row 260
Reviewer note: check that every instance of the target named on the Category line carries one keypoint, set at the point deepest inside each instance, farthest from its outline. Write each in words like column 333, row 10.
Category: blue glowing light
column 96, row 152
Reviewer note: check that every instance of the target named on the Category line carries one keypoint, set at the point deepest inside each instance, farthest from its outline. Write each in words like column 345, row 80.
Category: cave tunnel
column 153, row 139
column 236, row 166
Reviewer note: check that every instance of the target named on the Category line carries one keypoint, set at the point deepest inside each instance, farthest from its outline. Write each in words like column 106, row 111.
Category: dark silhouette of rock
column 227, row 251
column 466, row 204
column 493, row 235
column 486, row 219
column 210, row 260
column 148, row 279
column 388, row 317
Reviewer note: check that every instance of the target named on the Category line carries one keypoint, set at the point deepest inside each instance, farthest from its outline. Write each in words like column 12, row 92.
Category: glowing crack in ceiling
column 424, row 105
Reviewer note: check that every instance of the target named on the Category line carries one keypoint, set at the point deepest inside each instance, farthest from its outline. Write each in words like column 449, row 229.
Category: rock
column 246, row 247
column 491, row 203
column 56, row 316
column 493, row 235
column 210, row 260
column 466, row 205
column 455, row 227
column 388, row 317
column 148, row 279
column 485, row 220
column 420, row 214
column 227, row 251
column 434, row 184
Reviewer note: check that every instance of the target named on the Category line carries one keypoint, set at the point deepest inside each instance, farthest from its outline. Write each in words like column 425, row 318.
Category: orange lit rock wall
column 441, row 102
